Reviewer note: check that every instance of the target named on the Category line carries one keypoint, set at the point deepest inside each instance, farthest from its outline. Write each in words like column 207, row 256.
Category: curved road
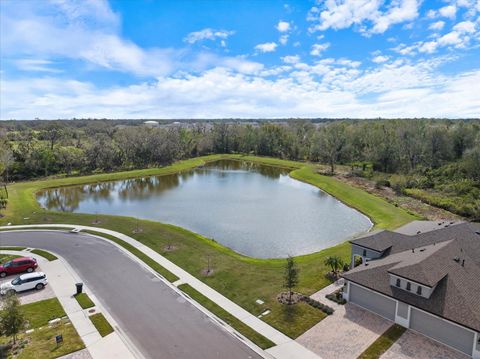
column 157, row 319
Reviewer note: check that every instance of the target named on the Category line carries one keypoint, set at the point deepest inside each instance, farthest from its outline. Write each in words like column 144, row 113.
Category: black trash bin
column 79, row 287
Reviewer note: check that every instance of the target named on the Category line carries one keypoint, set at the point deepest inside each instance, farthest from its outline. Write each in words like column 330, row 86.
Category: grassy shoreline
column 241, row 279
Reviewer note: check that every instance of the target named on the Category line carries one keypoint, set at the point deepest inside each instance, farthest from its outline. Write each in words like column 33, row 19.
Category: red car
column 18, row 265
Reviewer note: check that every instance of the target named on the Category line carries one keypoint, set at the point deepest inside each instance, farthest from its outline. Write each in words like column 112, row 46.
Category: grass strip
column 84, row 300
column 12, row 248
column 235, row 323
column 383, row 343
column 40, row 313
column 139, row 254
column 44, row 254
column 101, row 323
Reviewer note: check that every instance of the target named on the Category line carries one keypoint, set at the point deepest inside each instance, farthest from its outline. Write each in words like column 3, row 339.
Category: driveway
column 412, row 345
column 160, row 322
column 346, row 333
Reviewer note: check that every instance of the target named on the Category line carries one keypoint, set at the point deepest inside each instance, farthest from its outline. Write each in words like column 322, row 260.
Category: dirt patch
column 410, row 204
column 284, row 298
column 207, row 272
column 170, row 248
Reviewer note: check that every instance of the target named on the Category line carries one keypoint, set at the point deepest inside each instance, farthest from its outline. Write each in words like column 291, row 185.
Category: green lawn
column 241, row 279
column 39, row 313
column 84, row 300
column 41, row 343
column 44, row 254
column 248, row 332
column 385, row 341
column 101, row 323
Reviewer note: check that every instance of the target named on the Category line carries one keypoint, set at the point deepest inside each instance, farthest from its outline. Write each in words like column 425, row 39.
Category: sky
column 239, row 59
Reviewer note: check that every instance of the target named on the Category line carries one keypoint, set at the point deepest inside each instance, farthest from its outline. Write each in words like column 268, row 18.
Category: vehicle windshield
column 8, row 264
column 16, row 281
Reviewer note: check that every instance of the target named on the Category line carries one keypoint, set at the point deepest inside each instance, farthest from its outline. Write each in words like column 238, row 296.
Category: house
column 428, row 282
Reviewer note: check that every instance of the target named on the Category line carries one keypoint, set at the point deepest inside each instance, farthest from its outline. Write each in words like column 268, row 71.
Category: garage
column 372, row 301
column 442, row 331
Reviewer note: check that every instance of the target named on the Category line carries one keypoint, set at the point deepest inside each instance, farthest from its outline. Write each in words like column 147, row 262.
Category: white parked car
column 37, row 280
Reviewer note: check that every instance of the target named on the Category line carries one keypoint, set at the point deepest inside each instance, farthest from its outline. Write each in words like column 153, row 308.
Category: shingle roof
column 456, row 296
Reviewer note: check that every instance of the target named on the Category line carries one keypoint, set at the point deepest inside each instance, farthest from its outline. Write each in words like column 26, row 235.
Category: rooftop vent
column 422, row 250
column 457, row 259
column 413, row 250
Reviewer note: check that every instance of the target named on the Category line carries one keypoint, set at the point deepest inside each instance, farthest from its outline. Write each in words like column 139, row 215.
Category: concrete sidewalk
column 286, row 348
column 62, row 279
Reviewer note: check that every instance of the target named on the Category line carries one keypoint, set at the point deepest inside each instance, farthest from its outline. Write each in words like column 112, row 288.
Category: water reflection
column 256, row 210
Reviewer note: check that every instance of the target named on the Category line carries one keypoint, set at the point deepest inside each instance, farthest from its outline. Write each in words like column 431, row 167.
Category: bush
column 336, row 297
column 382, row 183
column 316, row 304
column 3, row 202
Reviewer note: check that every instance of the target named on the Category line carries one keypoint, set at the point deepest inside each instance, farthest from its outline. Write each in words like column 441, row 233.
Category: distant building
column 151, row 124
column 428, row 282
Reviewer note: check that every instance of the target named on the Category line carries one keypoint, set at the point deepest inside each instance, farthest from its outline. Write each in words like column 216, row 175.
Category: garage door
column 372, row 301
column 445, row 332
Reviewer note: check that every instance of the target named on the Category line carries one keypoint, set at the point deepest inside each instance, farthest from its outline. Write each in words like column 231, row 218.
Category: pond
column 254, row 209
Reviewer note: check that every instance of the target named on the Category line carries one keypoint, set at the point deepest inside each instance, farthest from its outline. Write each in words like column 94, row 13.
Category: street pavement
column 159, row 321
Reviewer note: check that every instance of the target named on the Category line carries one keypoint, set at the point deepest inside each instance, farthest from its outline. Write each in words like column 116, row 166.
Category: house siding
column 372, row 301
column 441, row 330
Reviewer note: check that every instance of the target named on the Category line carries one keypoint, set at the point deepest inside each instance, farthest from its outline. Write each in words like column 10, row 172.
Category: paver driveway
column 345, row 334
column 412, row 345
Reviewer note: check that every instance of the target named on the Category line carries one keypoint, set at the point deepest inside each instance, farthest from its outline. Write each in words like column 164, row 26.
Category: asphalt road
column 159, row 321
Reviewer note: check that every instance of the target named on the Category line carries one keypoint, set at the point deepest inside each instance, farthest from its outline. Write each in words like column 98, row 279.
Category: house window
column 398, row 282
column 364, row 253
column 419, row 290
column 408, row 286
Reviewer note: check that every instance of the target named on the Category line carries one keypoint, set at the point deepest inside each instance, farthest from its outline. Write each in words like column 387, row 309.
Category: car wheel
column 39, row 286
column 30, row 270
column 3, row 274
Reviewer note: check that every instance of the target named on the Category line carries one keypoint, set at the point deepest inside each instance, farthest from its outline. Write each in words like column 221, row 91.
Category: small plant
column 336, row 297
column 316, row 304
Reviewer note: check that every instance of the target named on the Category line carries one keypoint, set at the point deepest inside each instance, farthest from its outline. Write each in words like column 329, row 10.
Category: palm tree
column 334, row 262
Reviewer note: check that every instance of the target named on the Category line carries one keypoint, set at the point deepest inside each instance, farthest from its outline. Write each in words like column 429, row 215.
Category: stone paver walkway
column 412, row 345
column 345, row 334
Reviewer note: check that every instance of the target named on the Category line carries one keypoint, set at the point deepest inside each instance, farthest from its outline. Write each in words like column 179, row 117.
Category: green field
column 383, row 343
column 44, row 254
column 84, row 300
column 241, row 279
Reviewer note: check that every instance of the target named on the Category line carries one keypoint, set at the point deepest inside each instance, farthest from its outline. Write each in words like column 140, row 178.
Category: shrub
column 382, row 183
column 336, row 297
column 316, row 304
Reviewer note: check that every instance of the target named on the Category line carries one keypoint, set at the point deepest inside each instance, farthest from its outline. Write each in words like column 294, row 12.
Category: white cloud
column 448, row 11
column 266, row 47
column 380, row 59
column 39, row 65
column 207, row 34
column 291, row 59
column 340, row 14
column 465, row 27
column 317, row 49
column 437, row 26
column 393, row 91
column 283, row 39
column 283, row 26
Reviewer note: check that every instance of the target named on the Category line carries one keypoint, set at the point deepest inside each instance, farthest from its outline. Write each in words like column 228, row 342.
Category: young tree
column 12, row 320
column 290, row 279
column 334, row 262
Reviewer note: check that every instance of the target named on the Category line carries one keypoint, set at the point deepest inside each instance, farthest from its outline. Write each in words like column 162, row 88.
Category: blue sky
column 250, row 59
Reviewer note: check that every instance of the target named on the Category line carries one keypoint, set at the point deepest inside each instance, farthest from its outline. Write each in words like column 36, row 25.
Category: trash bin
column 79, row 287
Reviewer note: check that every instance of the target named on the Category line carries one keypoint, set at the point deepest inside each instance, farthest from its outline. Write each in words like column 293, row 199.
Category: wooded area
column 437, row 161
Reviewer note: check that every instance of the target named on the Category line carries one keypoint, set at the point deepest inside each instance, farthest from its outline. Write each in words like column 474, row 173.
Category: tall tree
column 290, row 278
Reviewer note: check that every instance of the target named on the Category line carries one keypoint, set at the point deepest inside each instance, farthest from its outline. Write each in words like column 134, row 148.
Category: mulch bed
column 284, row 297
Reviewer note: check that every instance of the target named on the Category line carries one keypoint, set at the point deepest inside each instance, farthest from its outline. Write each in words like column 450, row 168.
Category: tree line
column 422, row 150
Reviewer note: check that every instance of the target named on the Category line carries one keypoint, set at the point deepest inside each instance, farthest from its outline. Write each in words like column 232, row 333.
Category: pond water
column 253, row 209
